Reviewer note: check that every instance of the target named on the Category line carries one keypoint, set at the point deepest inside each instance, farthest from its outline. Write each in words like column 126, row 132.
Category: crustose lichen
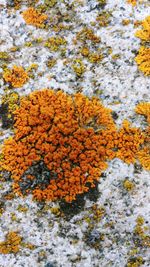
column 62, row 143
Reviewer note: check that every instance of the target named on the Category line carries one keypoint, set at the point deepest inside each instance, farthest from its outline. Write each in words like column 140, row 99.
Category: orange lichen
column 144, row 157
column 143, row 57
column 129, row 142
column 132, row 2
column 144, row 33
column 143, row 108
column 143, row 60
column 144, row 154
column 34, row 17
column 16, row 76
column 11, row 244
column 71, row 135
column 62, row 144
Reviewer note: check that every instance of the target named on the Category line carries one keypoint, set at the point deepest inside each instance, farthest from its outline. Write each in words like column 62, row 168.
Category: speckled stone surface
column 80, row 240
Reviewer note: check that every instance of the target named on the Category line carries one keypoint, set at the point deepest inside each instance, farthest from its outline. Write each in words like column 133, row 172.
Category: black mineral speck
column 137, row 168
column 49, row 265
column 114, row 115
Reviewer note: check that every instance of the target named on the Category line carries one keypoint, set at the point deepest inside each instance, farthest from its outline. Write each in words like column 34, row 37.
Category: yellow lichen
column 16, row 76
column 11, row 244
column 87, row 34
column 31, row 69
column 9, row 104
column 50, row 3
column 140, row 220
column 98, row 213
column 4, row 56
column 28, row 245
column 14, row 48
column 102, row 2
column 38, row 40
column 12, row 99
column 140, row 233
column 16, row 4
column 59, row 27
column 22, row 208
column 135, row 261
column 128, row 185
column 115, row 56
column 95, row 58
column 85, row 51
column 13, row 217
column 54, row 43
column 51, row 63
column 56, row 210
column 34, row 17
column 28, row 44
column 125, row 22
column 103, row 19
column 78, row 67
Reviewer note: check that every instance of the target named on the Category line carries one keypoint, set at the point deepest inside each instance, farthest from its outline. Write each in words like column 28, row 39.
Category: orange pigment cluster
column 143, row 60
column 16, row 76
column 73, row 135
column 129, row 141
column 56, row 128
column 132, row 2
column 144, row 33
column 34, row 17
column 144, row 109
column 144, row 153
column 143, row 57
